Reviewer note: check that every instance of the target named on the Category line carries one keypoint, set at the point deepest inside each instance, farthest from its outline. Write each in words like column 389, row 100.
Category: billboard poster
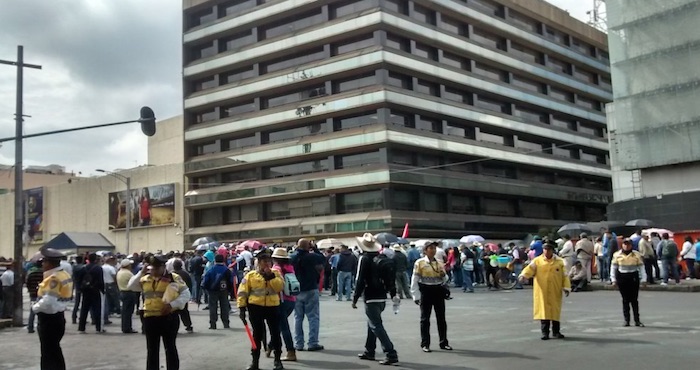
column 34, row 213
column 150, row 206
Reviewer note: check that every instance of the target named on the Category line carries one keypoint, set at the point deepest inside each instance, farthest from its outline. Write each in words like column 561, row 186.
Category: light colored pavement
column 489, row 330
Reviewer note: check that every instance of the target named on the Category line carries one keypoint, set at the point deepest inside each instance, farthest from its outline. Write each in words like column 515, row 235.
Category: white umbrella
column 421, row 243
column 327, row 243
column 471, row 239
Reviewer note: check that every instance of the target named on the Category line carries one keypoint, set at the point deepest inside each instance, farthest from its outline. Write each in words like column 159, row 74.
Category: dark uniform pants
column 166, row 327
column 432, row 296
column 628, row 283
column 92, row 302
column 259, row 315
column 544, row 326
column 51, row 329
column 76, row 306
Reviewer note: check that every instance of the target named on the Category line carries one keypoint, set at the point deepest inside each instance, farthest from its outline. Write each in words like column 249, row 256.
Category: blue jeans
column 467, row 280
column 517, row 269
column 197, row 289
column 375, row 330
column 458, row 276
column 344, row 282
column 604, row 268
column 30, row 321
column 306, row 305
column 286, row 309
column 670, row 265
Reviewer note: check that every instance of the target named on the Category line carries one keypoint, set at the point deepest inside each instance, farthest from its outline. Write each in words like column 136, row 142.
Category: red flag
column 250, row 336
column 405, row 231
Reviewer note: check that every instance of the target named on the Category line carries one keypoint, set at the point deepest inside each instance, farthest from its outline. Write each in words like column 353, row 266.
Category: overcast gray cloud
column 102, row 60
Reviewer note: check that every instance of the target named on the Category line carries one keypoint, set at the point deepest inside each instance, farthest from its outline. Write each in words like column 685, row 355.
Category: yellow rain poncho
column 550, row 282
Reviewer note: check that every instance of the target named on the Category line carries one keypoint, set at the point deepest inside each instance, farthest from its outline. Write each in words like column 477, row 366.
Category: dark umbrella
column 640, row 222
column 386, row 238
column 574, row 229
column 202, row 240
column 401, row 240
column 36, row 257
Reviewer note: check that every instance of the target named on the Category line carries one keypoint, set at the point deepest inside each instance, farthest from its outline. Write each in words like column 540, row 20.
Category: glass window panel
column 498, row 171
column 355, row 43
column 567, row 123
column 455, row 26
column 426, row 51
column 206, row 148
column 297, row 208
column 536, row 176
column 524, row 53
column 560, row 94
column 238, row 108
column 485, row 6
column 460, row 164
column 487, row 71
column 428, row 160
column 406, row 200
column 204, row 83
column 490, row 104
column 293, row 97
column 207, row 217
column 590, row 130
column 488, row 39
column 594, row 213
column 498, row 207
column 555, row 35
column 242, row 142
column 527, row 84
column 206, row 116
column 297, row 132
column 204, row 182
column 400, row 80
column 570, row 212
column 294, row 23
column 237, row 75
column 423, row 14
column 531, row 115
column 294, row 60
column 201, row 17
column 358, row 160
column 427, row 87
column 582, row 47
column 354, row 83
column 562, row 152
column 235, row 6
column 429, row 124
column 522, row 21
column 588, row 103
column 456, row 61
column 529, row 146
column 537, row 210
column 203, row 51
column 399, row 6
column 435, row 202
column 402, row 157
column 366, row 201
column 344, row 123
column 461, row 204
column 349, row 7
column 568, row 180
column 398, row 42
column 240, row 176
column 237, row 41
column 585, row 75
column 296, row 169
column 558, row 65
column 402, row 119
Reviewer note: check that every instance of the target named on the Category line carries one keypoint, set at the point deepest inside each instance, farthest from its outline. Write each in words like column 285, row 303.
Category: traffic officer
column 164, row 293
column 429, row 290
column 626, row 272
column 259, row 294
column 54, row 293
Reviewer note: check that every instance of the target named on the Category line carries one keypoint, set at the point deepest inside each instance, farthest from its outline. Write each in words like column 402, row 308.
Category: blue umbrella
column 386, row 238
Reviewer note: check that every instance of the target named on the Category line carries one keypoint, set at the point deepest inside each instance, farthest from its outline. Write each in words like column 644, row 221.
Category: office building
column 334, row 118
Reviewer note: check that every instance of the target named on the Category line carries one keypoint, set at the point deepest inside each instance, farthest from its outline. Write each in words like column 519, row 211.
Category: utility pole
column 19, row 187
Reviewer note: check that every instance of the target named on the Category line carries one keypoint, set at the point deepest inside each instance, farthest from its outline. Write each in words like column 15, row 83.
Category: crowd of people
column 270, row 284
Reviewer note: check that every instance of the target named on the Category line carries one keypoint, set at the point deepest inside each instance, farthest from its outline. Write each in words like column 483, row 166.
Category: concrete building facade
column 332, row 118
column 654, row 120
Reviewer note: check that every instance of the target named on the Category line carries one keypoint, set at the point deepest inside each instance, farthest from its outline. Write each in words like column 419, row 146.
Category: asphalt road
column 488, row 330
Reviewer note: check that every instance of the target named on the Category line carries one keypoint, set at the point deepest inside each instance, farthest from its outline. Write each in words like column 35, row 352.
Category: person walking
column 259, row 294
column 626, row 272
column 54, row 293
column 403, row 287
column 218, row 281
column 347, row 265
column 129, row 298
column 550, row 281
column 468, row 260
column 92, row 287
column 376, row 276
column 334, row 270
column 429, row 291
column 35, row 276
column 308, row 266
column 78, row 273
column 184, row 313
column 7, row 281
column 164, row 294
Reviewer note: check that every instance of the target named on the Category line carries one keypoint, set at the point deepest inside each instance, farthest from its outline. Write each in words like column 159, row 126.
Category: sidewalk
column 686, row 286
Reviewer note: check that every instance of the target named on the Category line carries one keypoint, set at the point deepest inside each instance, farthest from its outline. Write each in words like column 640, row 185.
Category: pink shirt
column 288, row 268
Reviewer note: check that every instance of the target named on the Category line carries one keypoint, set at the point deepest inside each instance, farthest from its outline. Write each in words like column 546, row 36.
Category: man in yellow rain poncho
column 550, row 282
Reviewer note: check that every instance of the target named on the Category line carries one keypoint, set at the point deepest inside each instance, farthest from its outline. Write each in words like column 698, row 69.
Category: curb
column 682, row 288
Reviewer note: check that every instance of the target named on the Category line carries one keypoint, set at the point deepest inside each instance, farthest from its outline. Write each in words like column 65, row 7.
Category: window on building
column 365, row 201
column 492, row 105
column 527, row 84
column 458, row 95
column 400, row 80
column 531, row 115
column 428, row 160
column 563, row 122
column 238, row 108
column 428, row 87
column 495, row 170
column 240, row 142
column 530, row 146
column 402, row 157
column 455, row 26
column 423, row 14
column 205, row 116
column 429, row 124
column 544, row 177
column 402, row 119
column 594, row 214
column 456, row 61
column 203, row 83
column 561, row 94
column 237, row 75
column 207, row 217
column 357, row 160
column 559, row 66
column 485, row 6
column 399, row 6
column 243, row 213
column 568, row 180
column 488, row 39
column 405, row 200
column 499, row 207
column 435, row 202
column 204, row 182
column 318, row 165
column 240, row 176
column 201, row 17
column 522, row 21
column 202, row 51
column 524, row 53
column 235, row 6
column 349, row 7
column 555, row 35
column 461, row 130
column 398, row 42
column 588, row 103
column 293, row 60
column 462, row 204
column 426, row 51
column 355, row 82
column 570, row 212
column 292, row 24
column 460, row 164
column 237, row 41
column 591, row 130
column 292, row 97
column 491, row 72
column 537, row 210
column 585, row 75
column 348, row 122
column 295, row 132
column 298, row 208
column 352, row 44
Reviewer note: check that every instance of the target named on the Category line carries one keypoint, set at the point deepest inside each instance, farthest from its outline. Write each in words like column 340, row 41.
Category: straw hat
column 368, row 243
column 280, row 253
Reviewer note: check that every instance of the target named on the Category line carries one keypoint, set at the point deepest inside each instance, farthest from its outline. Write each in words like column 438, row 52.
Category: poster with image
column 150, row 206
column 34, row 213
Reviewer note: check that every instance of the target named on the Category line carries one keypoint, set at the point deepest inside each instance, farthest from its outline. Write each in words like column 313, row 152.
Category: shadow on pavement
column 600, row 340
column 491, row 354
column 314, row 364
column 415, row 366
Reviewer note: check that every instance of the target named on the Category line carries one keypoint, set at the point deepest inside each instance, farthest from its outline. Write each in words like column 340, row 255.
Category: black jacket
column 375, row 278
column 400, row 262
column 98, row 279
column 185, row 277
column 347, row 262
column 197, row 266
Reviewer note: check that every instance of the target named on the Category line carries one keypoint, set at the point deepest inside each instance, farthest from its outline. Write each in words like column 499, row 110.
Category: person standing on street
column 111, row 296
column 347, row 265
column 197, row 270
column 376, row 276
column 626, row 272
column 54, row 293
column 584, row 254
column 259, row 294
column 308, row 266
column 218, row 281
column 184, row 313
column 283, row 266
column 164, row 293
column 8, row 292
column 128, row 297
column 92, row 287
column 688, row 256
column 78, row 273
column 429, row 290
column 401, row 266
column 668, row 250
column 649, row 255
column 35, row 275
column 550, row 281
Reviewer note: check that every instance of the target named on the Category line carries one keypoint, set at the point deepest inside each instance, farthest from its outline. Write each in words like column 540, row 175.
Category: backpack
column 669, row 250
column 241, row 265
column 88, row 282
column 221, row 282
column 292, row 286
column 383, row 272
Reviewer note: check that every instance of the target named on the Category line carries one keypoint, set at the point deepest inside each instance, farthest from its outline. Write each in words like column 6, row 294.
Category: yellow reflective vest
column 54, row 292
column 157, row 291
column 257, row 291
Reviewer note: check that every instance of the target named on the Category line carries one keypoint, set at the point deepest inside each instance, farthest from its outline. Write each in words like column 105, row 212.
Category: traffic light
column 148, row 121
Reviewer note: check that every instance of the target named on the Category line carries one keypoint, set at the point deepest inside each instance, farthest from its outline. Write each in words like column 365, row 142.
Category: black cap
column 158, row 260
column 263, row 253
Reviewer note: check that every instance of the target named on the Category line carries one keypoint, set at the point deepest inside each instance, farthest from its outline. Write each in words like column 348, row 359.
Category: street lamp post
column 126, row 180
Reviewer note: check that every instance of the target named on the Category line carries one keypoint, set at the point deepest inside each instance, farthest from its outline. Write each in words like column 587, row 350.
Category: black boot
column 256, row 361
column 278, row 361
column 544, row 326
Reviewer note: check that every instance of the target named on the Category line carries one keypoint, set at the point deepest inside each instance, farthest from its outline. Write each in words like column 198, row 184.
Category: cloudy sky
column 102, row 60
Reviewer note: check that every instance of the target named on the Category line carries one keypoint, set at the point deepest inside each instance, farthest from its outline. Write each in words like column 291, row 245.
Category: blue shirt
column 334, row 261
column 537, row 247
column 413, row 256
column 305, row 268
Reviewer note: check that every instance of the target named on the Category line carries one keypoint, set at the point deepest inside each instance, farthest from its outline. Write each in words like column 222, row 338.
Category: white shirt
column 688, row 251
column 67, row 267
column 440, row 255
column 169, row 265
column 8, row 278
column 109, row 273
column 247, row 256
